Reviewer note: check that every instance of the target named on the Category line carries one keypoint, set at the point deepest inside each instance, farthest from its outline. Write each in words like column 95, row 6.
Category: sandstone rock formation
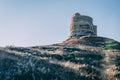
column 83, row 56
column 81, row 26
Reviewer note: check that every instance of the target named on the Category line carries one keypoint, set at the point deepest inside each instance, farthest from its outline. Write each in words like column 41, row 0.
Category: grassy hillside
column 89, row 58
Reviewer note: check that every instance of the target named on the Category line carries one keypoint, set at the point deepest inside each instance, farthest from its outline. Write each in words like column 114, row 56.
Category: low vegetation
column 110, row 44
column 71, row 63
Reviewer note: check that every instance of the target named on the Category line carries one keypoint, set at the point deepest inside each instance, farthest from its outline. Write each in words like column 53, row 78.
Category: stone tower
column 82, row 26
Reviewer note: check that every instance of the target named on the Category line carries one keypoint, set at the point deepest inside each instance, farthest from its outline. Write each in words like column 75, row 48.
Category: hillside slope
column 84, row 58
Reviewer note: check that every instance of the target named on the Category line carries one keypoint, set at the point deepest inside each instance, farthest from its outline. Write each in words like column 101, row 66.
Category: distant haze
column 42, row 22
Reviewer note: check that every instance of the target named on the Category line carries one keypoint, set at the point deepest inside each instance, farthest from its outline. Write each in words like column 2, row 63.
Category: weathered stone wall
column 82, row 26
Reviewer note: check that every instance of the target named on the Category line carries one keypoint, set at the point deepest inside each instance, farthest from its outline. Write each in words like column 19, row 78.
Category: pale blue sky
column 42, row 22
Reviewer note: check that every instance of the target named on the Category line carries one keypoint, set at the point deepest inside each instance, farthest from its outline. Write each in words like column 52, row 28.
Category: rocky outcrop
column 81, row 57
column 82, row 26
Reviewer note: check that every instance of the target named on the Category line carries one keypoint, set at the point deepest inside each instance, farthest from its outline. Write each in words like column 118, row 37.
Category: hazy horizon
column 31, row 23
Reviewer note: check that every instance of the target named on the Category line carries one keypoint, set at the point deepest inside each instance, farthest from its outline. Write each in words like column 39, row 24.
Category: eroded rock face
column 82, row 26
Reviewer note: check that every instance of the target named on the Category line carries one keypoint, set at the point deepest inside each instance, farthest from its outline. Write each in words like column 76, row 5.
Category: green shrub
column 69, row 57
column 49, row 48
column 117, row 75
column 112, row 45
column 71, row 49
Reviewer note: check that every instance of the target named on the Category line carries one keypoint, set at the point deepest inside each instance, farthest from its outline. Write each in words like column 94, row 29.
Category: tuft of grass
column 111, row 44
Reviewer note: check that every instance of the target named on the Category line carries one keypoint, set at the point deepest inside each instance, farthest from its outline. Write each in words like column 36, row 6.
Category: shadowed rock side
column 84, row 58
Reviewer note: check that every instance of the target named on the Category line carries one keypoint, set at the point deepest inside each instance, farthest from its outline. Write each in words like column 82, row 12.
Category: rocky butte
column 82, row 26
column 83, row 56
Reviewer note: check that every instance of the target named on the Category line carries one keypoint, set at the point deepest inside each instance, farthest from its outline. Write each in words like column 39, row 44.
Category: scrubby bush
column 69, row 57
column 117, row 75
column 112, row 45
column 49, row 48
column 71, row 49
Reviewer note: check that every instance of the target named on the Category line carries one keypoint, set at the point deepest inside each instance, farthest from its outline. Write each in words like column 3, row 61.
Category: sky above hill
column 42, row 22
